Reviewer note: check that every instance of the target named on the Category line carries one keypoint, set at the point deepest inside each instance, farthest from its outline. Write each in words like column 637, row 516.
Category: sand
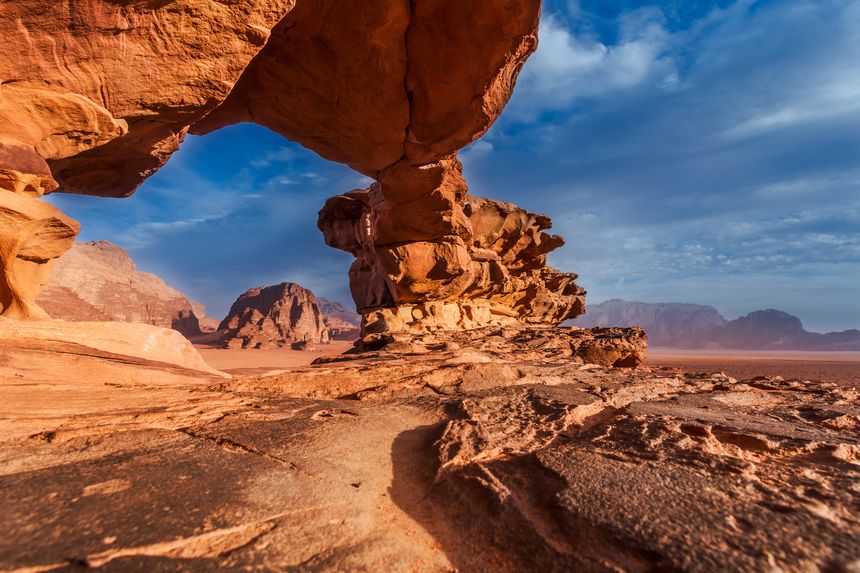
column 840, row 367
column 260, row 362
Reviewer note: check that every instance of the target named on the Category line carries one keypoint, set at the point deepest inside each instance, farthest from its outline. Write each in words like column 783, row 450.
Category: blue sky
column 704, row 152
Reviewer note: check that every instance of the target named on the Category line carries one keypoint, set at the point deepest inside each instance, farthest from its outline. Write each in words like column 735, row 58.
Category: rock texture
column 489, row 456
column 134, row 79
column 206, row 322
column 697, row 326
column 32, row 235
column 96, row 353
column 99, row 281
column 485, row 266
column 274, row 316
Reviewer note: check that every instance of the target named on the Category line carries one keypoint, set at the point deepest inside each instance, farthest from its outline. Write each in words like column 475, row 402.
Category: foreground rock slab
column 522, row 463
column 49, row 350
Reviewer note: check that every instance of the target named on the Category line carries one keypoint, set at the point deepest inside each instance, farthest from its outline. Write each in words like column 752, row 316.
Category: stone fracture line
column 236, row 447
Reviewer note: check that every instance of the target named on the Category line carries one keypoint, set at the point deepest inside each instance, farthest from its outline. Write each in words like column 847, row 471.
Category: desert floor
column 261, row 362
column 840, row 367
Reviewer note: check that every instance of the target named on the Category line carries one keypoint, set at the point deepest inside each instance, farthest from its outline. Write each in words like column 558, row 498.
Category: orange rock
column 274, row 316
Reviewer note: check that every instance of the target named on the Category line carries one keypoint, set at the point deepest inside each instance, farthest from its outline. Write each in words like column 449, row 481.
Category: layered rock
column 274, row 316
column 483, row 453
column 480, row 262
column 99, row 281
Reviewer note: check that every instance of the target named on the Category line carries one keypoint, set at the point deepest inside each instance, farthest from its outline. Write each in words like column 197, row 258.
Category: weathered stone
column 490, row 270
column 496, row 450
column 368, row 84
column 99, row 281
column 274, row 316
column 32, row 235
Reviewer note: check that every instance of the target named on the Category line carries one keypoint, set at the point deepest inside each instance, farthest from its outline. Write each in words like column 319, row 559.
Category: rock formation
column 274, row 316
column 133, row 80
column 497, row 450
column 667, row 324
column 32, row 233
column 206, row 322
column 344, row 324
column 487, row 268
column 99, row 281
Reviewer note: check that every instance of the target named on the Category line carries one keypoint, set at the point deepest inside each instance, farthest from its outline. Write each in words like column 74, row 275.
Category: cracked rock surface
column 534, row 460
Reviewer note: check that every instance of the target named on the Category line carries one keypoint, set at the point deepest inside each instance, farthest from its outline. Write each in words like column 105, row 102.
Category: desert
column 287, row 286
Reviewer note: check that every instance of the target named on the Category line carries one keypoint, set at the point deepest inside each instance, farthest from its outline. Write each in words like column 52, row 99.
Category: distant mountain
column 99, row 282
column 344, row 323
column 667, row 324
column 274, row 316
column 698, row 326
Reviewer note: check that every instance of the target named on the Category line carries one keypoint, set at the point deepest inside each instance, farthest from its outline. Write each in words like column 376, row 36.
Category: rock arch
column 95, row 95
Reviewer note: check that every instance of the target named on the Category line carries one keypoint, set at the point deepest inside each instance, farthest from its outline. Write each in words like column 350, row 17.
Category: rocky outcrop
column 274, row 316
column 32, row 233
column 344, row 324
column 483, row 263
column 99, row 281
column 479, row 454
column 133, row 80
column 96, row 353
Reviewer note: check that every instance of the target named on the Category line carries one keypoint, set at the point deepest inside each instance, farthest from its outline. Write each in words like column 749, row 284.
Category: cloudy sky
column 688, row 151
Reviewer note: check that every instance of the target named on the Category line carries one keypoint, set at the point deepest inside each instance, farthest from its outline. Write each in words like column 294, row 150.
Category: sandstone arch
column 95, row 95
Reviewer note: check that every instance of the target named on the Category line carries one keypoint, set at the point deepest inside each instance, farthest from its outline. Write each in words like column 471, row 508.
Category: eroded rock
column 32, row 235
column 502, row 451
column 274, row 316
column 485, row 264
column 99, row 281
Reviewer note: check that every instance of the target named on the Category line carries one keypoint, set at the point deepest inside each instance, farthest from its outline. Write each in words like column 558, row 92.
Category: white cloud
column 568, row 67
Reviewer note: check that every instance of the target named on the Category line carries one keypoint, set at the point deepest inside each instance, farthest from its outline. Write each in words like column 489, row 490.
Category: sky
column 688, row 151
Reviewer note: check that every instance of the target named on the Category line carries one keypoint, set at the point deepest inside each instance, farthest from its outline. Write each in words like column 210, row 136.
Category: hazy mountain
column 699, row 326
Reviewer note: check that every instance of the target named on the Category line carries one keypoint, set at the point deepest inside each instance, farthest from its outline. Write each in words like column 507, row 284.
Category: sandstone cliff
column 99, row 281
column 274, row 316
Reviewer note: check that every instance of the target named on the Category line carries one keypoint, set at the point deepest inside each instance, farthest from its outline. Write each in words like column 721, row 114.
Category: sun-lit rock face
column 393, row 89
column 488, row 266
column 32, row 235
column 275, row 316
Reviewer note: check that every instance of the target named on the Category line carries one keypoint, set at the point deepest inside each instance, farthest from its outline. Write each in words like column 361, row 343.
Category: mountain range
column 696, row 326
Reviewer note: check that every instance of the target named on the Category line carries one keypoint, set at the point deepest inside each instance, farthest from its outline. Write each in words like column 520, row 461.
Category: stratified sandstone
column 274, row 316
column 485, row 265
column 99, row 281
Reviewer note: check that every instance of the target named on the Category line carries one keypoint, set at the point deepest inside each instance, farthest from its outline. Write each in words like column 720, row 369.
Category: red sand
column 257, row 362
column 840, row 367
